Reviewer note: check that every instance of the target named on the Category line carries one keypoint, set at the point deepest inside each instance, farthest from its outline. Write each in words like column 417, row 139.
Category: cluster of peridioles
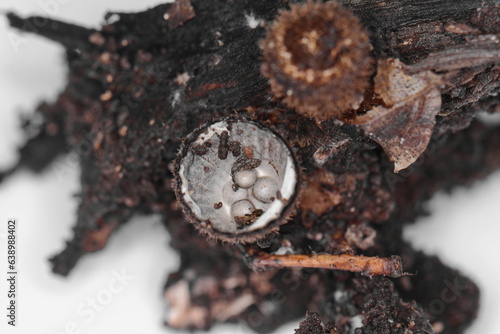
column 263, row 189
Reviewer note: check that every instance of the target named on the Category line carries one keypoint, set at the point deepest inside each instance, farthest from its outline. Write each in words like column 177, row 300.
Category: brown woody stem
column 371, row 266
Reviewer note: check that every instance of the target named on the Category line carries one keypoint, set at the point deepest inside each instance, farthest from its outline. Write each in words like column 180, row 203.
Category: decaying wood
column 143, row 81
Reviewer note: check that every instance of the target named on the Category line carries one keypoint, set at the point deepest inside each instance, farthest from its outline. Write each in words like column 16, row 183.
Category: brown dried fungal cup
column 236, row 180
column 317, row 56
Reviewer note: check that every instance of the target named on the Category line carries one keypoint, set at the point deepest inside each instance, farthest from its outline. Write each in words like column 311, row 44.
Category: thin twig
column 370, row 266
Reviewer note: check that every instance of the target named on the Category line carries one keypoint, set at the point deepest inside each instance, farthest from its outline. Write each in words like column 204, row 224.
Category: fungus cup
column 236, row 180
column 317, row 56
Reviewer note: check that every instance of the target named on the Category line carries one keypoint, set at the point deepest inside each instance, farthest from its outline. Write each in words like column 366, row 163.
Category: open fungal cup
column 236, row 180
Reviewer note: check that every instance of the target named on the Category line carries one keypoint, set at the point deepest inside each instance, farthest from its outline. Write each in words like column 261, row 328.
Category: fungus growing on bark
column 134, row 127
column 236, row 180
column 317, row 57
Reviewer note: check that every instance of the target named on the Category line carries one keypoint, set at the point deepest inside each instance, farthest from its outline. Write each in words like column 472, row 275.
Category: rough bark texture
column 144, row 80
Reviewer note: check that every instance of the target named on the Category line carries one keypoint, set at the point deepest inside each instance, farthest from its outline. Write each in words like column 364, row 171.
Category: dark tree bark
column 144, row 80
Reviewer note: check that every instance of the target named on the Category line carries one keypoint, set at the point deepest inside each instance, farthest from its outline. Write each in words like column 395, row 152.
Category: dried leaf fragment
column 404, row 125
column 179, row 13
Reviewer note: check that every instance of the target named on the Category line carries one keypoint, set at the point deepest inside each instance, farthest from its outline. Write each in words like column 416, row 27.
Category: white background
column 463, row 229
